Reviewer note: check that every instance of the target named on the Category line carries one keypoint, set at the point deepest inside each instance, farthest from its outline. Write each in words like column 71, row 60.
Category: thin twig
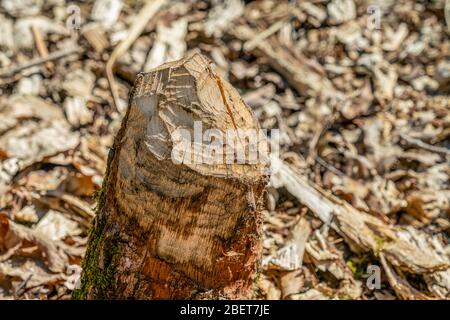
column 423, row 145
column 41, row 47
column 252, row 43
column 329, row 167
column 140, row 22
column 21, row 287
column 10, row 71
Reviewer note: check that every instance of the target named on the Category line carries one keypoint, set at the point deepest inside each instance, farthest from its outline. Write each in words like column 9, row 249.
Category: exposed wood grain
column 166, row 230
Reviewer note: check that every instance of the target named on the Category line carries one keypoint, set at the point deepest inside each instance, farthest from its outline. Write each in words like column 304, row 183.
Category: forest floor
column 358, row 89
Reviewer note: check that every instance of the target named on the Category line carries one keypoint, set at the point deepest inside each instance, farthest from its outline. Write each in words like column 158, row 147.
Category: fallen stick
column 301, row 73
column 420, row 144
column 41, row 47
column 367, row 234
column 260, row 37
column 171, row 229
column 10, row 71
column 140, row 22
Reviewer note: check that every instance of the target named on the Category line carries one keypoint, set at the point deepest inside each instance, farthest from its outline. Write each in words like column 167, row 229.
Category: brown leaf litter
column 361, row 182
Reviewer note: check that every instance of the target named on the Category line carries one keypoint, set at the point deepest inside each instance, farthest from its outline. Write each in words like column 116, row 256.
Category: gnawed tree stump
column 171, row 227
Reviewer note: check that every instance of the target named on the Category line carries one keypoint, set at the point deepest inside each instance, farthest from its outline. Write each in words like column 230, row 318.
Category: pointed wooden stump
column 171, row 227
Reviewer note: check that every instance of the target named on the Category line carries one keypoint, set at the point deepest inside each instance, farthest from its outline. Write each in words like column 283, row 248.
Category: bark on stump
column 166, row 230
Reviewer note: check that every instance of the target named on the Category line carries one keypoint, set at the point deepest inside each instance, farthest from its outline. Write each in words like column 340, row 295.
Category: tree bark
column 170, row 230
